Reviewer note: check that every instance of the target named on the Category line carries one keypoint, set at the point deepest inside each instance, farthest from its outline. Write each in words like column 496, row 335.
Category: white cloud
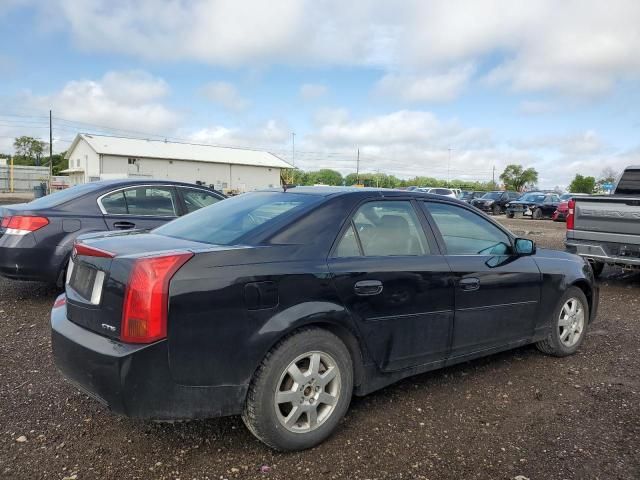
column 310, row 91
column 533, row 107
column 432, row 87
column 270, row 135
column 226, row 95
column 577, row 47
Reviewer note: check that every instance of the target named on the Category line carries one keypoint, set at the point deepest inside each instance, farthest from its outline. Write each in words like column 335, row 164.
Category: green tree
column 515, row 177
column 28, row 150
column 582, row 184
column 326, row 176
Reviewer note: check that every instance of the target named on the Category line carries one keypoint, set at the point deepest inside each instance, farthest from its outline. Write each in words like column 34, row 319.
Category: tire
column 510, row 215
column 286, row 426
column 555, row 344
column 597, row 268
column 496, row 210
column 537, row 214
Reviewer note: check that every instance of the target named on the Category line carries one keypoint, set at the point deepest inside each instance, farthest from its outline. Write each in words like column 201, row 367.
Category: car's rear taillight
column 146, row 301
column 571, row 206
column 23, row 224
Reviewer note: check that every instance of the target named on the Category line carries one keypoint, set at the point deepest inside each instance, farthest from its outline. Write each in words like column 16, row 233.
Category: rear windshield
column 63, row 196
column 629, row 183
column 224, row 223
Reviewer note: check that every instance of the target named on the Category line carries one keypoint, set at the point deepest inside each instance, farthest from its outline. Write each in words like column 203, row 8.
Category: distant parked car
column 445, row 192
column 536, row 205
column 468, row 195
column 560, row 215
column 36, row 238
column 494, row 202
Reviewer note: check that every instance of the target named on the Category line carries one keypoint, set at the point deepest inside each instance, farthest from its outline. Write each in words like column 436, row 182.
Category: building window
column 132, row 161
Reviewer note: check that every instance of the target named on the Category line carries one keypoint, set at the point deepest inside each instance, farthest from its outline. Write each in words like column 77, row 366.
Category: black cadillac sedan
column 279, row 305
column 36, row 238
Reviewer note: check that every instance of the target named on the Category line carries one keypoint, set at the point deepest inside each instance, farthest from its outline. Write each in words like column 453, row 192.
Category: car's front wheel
column 537, row 214
column 300, row 391
column 568, row 326
column 496, row 210
column 510, row 215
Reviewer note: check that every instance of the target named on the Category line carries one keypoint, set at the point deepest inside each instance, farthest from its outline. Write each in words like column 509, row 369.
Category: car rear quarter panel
column 559, row 272
column 214, row 311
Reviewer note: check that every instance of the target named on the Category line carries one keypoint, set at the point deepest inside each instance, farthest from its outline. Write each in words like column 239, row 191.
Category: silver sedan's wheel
column 308, row 391
column 571, row 322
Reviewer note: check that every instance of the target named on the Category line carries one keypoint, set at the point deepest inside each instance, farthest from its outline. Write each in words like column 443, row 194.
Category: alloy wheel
column 308, row 392
column 571, row 322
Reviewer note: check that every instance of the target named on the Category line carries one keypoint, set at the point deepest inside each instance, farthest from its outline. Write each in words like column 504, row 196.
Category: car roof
column 372, row 192
column 146, row 181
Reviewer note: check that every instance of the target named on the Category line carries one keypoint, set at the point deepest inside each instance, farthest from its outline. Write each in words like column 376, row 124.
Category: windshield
column 531, row 197
column 223, row 223
column 492, row 195
column 63, row 196
column 566, row 196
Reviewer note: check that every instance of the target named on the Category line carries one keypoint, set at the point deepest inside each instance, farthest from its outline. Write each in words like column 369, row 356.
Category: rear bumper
column 602, row 253
column 134, row 380
column 22, row 259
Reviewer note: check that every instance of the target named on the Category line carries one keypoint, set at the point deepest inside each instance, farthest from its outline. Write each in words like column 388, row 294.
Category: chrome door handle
column 470, row 284
column 366, row 288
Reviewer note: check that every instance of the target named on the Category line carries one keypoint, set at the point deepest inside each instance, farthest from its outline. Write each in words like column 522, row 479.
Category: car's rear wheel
column 537, row 214
column 569, row 324
column 300, row 391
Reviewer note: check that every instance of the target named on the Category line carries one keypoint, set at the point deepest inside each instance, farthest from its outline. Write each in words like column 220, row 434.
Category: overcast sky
column 412, row 84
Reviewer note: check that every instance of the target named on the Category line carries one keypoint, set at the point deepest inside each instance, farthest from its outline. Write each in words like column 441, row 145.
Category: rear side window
column 465, row 233
column 196, row 199
column 629, row 183
column 114, row 203
column 151, row 201
column 384, row 229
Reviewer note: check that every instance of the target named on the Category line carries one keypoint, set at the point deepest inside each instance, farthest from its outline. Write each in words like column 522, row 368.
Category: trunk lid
column 608, row 214
column 97, row 280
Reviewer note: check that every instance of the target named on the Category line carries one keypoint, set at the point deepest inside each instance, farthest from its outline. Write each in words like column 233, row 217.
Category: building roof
column 142, row 148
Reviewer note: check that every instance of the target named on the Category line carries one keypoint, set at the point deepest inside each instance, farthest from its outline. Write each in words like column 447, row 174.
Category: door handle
column 470, row 284
column 366, row 288
column 123, row 225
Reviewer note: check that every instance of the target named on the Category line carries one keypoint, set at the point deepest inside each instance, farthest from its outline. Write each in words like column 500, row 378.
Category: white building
column 100, row 157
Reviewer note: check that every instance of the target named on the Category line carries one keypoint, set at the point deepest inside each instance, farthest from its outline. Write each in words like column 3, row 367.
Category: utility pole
column 493, row 177
column 449, row 168
column 293, row 149
column 50, row 152
column 358, row 168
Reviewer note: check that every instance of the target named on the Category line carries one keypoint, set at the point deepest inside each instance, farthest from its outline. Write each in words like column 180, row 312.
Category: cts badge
column 106, row 326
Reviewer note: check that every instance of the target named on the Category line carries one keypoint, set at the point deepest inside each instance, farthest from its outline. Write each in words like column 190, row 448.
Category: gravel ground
column 518, row 413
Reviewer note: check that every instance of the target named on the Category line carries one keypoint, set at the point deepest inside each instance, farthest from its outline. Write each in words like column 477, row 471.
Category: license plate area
column 86, row 281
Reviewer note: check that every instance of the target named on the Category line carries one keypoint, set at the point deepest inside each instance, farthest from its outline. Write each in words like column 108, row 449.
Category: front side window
column 151, row 200
column 384, row 229
column 197, row 199
column 465, row 233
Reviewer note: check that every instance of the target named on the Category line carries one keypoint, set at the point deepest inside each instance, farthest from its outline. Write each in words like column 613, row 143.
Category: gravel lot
column 516, row 413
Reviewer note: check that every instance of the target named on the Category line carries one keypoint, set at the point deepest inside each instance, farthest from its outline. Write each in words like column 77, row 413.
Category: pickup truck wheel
column 537, row 214
column 301, row 391
column 496, row 210
column 597, row 268
column 568, row 325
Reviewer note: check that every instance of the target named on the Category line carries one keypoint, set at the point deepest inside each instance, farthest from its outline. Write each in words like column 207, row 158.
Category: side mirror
column 524, row 246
